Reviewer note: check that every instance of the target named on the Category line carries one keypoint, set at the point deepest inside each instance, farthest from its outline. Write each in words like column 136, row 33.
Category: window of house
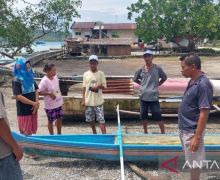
column 115, row 34
column 78, row 33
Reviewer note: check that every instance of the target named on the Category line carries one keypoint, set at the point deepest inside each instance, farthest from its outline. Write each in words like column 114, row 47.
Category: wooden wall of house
column 118, row 50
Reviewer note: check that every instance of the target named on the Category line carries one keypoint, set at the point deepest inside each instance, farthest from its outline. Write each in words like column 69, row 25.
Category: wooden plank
column 120, row 87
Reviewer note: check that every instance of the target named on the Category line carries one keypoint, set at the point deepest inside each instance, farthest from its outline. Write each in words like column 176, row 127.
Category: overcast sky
column 105, row 10
column 100, row 10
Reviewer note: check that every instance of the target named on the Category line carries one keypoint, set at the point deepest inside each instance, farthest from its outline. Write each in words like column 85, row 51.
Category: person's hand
column 18, row 153
column 34, row 110
column 36, row 105
column 194, row 144
column 52, row 96
column 94, row 88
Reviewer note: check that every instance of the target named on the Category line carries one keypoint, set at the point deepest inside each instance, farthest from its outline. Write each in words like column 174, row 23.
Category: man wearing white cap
column 150, row 77
column 94, row 82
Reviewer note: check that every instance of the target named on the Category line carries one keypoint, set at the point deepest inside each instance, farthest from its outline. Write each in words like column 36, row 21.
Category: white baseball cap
column 148, row 52
column 93, row 57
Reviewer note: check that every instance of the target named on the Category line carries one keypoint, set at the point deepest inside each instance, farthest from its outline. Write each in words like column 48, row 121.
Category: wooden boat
column 136, row 147
column 170, row 97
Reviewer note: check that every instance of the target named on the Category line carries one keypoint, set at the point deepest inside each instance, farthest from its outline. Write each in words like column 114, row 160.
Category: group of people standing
column 26, row 93
column 193, row 111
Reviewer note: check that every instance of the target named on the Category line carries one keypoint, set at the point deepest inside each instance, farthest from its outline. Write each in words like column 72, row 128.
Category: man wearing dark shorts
column 193, row 112
column 150, row 77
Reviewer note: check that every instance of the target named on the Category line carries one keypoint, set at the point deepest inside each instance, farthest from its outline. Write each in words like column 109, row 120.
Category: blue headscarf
column 26, row 77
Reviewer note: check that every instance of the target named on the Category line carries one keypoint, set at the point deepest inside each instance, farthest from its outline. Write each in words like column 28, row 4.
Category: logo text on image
column 171, row 164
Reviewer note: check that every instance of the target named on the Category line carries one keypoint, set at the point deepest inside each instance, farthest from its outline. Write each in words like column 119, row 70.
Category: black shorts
column 154, row 107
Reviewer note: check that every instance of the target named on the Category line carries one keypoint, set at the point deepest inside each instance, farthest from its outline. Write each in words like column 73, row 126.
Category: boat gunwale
column 38, row 140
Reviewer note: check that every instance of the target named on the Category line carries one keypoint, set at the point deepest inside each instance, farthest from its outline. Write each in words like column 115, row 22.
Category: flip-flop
column 31, row 156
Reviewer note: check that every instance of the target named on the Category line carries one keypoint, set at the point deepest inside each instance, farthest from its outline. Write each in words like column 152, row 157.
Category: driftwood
column 146, row 175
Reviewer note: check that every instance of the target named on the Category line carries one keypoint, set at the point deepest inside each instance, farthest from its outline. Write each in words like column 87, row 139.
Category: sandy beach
column 47, row 168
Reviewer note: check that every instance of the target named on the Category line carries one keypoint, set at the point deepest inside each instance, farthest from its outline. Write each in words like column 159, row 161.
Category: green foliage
column 18, row 27
column 171, row 18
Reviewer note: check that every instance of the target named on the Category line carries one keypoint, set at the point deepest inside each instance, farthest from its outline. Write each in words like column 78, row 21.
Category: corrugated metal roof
column 103, row 41
column 83, row 25
column 107, row 26
column 120, row 26
column 109, row 41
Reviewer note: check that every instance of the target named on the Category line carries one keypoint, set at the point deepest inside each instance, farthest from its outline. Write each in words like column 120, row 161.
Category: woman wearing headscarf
column 27, row 98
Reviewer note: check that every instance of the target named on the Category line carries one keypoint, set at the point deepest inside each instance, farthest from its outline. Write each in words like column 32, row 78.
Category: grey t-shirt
column 5, row 150
column 149, row 81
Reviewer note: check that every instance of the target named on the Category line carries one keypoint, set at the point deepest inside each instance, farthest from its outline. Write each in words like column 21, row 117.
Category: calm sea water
column 37, row 48
column 47, row 46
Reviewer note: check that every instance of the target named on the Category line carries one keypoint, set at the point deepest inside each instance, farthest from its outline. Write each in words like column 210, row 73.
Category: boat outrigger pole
column 119, row 134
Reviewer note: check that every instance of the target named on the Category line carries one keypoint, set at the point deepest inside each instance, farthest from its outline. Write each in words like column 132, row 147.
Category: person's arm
column 162, row 75
column 103, row 84
column 26, row 100
column 36, row 93
column 42, row 89
column 17, row 92
column 37, row 100
column 203, row 118
column 161, row 82
column 137, row 76
column 5, row 134
column 83, row 95
column 205, row 95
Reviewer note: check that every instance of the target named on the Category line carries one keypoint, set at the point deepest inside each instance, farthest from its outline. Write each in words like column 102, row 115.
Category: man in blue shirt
column 193, row 112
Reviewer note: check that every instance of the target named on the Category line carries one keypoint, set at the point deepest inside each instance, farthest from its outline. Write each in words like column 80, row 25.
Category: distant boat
column 40, row 42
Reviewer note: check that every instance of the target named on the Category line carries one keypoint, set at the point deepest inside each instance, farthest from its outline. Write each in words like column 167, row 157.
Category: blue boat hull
column 102, row 147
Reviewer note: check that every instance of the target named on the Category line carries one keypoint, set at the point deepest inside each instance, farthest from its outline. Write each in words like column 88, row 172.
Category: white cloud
column 117, row 6
column 105, row 10
column 20, row 4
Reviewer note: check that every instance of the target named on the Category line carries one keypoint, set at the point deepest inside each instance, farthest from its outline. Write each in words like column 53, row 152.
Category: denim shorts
column 154, row 108
column 10, row 168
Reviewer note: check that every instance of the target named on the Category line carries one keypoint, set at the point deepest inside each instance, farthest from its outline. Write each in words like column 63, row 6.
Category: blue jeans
column 10, row 168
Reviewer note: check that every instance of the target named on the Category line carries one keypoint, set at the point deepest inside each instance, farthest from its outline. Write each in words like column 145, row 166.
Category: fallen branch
column 146, row 175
